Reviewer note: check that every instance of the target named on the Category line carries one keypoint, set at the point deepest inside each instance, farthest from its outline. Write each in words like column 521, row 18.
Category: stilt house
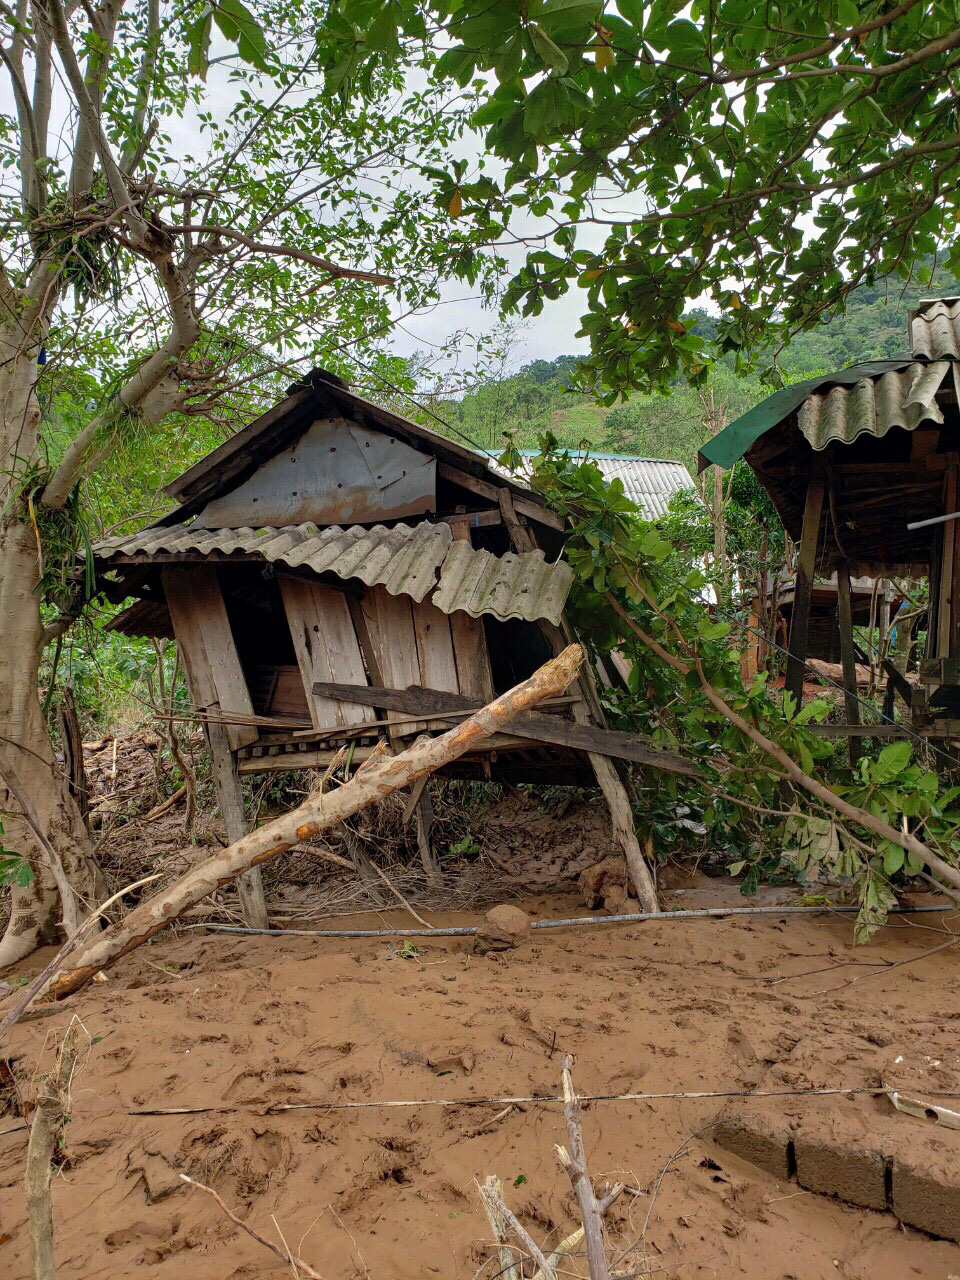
column 862, row 466
column 871, row 601
column 335, row 573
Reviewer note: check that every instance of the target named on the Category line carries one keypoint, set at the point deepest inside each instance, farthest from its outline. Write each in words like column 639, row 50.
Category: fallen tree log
column 377, row 778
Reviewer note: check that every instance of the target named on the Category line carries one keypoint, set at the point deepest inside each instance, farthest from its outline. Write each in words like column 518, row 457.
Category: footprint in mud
column 239, row 1160
column 139, row 1232
column 119, row 1059
column 266, row 1084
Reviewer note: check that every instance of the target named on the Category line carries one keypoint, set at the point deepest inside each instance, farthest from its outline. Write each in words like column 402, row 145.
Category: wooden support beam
column 472, row 519
column 423, row 815
column 848, row 657
column 71, row 741
column 540, row 728
column 484, row 489
column 288, row 760
column 253, row 905
column 609, row 780
column 806, row 566
column 520, row 537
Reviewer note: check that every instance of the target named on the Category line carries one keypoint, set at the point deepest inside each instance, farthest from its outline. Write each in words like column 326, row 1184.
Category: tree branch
column 53, row 15
column 860, row 817
column 283, row 251
column 138, row 130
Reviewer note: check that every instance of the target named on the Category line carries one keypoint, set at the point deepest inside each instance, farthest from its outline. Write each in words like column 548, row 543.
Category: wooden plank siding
column 324, row 641
column 474, row 673
column 394, row 639
column 210, row 660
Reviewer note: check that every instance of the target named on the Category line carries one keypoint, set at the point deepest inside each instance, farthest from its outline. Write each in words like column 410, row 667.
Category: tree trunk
column 28, row 765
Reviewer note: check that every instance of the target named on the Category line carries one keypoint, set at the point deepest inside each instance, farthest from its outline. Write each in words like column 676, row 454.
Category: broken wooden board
column 580, row 737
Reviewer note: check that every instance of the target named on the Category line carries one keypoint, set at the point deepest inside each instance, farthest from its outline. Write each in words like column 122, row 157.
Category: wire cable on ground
column 523, row 1100
column 570, row 922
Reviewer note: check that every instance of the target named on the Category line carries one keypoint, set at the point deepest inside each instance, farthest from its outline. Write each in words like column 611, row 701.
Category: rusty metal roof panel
column 510, row 586
column 648, row 482
column 902, row 398
column 935, row 329
column 406, row 560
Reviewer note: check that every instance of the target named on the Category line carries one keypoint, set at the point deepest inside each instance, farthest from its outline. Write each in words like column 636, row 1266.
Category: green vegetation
column 637, row 592
column 545, row 395
column 653, row 155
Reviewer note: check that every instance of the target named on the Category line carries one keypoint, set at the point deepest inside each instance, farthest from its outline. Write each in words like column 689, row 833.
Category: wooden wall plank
column 474, row 674
column 210, row 659
column 392, row 634
column 438, row 666
column 324, row 640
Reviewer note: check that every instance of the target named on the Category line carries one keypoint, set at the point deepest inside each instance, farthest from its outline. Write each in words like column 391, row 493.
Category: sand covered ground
column 233, row 1029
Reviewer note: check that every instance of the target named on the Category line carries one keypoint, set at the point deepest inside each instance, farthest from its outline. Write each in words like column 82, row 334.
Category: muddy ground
column 232, row 1028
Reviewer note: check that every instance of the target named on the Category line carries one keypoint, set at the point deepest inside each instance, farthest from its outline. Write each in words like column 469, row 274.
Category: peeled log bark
column 377, row 779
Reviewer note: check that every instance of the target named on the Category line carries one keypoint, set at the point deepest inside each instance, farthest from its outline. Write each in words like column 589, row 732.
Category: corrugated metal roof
column 405, row 560
column 144, row 618
column 649, row 482
column 902, row 398
column 402, row 559
column 935, row 329
column 510, row 586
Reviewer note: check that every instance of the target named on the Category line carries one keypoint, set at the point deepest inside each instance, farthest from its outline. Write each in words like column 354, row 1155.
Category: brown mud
column 243, row 1026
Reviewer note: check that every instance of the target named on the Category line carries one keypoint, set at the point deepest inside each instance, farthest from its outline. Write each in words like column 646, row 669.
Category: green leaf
column 551, row 53
column 708, row 630
column 383, row 35
column 892, row 760
column 198, row 44
column 239, row 25
column 893, row 859
column 458, row 63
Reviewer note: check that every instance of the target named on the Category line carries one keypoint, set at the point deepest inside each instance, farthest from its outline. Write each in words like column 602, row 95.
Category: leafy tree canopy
column 769, row 160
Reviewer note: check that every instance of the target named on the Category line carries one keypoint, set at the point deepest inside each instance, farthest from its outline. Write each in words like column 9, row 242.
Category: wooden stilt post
column 803, row 588
column 253, row 905
column 847, row 655
column 605, row 771
column 423, row 813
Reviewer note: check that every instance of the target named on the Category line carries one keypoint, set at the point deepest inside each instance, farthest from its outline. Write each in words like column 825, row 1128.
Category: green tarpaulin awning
column 729, row 445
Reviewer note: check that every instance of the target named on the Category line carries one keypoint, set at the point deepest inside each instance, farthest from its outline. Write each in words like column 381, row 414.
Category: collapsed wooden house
column 334, row 574
column 862, row 467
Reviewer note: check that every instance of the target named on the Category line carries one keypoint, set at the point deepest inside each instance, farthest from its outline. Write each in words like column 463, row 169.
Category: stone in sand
column 503, row 927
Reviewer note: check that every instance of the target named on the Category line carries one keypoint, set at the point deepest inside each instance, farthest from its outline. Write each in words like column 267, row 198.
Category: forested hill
column 539, row 394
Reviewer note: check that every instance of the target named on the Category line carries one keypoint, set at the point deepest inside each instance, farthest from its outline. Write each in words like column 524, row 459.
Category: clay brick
column 844, row 1169
column 757, row 1138
column 928, row 1199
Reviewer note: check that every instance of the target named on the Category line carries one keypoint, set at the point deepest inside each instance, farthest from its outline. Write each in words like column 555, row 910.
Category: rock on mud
column 503, row 928
column 606, row 885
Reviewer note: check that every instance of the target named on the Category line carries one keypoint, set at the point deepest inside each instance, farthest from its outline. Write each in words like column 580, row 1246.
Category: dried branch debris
column 286, row 1256
column 51, row 1113
column 592, row 1209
